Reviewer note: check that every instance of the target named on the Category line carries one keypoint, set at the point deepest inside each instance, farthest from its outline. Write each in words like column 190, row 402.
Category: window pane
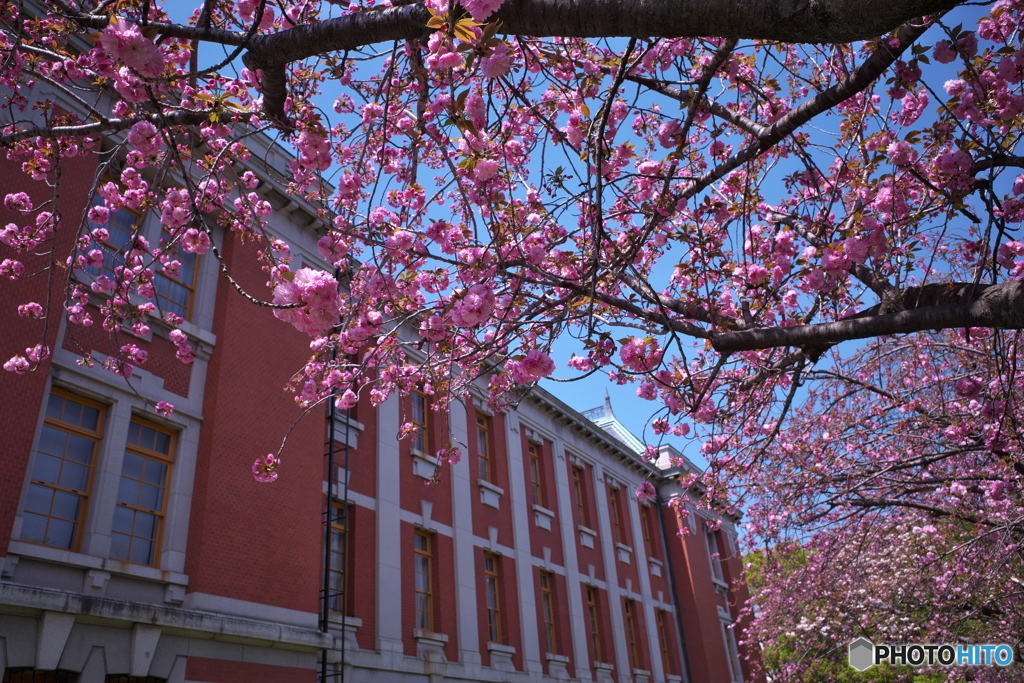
column 151, row 498
column 142, row 551
column 154, row 472
column 119, row 544
column 61, row 469
column 145, row 525
column 90, row 418
column 74, row 476
column 39, row 499
column 60, row 534
column 162, row 443
column 54, row 406
column 128, row 491
column 492, row 595
column 148, row 438
column 132, row 466
column 33, row 528
column 143, row 437
column 72, row 412
column 52, row 441
column 79, row 449
column 65, row 505
column 172, row 296
column 423, row 607
column 46, row 468
column 133, row 433
column 123, row 519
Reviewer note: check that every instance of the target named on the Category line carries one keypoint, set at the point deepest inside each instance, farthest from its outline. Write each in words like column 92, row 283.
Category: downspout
column 672, row 592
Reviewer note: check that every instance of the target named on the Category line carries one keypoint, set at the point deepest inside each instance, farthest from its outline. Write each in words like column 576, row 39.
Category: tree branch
column 798, row 21
column 896, row 502
column 178, row 118
column 686, row 97
column 932, row 307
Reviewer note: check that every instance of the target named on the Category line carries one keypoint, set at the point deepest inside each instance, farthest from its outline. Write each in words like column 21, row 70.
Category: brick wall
column 22, row 396
column 222, row 671
column 248, row 540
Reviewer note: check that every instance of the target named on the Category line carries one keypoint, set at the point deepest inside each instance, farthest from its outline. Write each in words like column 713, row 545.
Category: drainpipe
column 672, row 593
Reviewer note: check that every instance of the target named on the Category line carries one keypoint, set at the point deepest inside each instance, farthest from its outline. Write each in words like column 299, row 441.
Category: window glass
column 422, row 558
column 58, row 490
column 141, row 494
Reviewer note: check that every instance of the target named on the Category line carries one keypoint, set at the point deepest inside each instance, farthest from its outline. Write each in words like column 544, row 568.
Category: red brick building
column 139, row 548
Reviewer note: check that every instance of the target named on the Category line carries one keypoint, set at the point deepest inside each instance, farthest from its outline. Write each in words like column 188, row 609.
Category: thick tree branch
column 940, row 512
column 997, row 161
column 799, row 21
column 178, row 118
column 932, row 307
column 100, row 22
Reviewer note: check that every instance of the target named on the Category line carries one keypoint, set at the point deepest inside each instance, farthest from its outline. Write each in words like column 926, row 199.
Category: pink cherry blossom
column 640, row 355
column 320, row 302
column 124, row 41
column 145, row 137
column 264, row 470
column 481, row 10
column 534, row 366
column 473, row 307
column 645, row 492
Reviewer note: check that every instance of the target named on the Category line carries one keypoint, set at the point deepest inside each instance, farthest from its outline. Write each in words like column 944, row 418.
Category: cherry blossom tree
column 791, row 224
column 888, row 506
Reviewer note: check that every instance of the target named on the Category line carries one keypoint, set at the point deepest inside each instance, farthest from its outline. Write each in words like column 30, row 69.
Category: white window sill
column 422, row 635
column 625, row 552
column 542, row 517
column 656, row 566
column 423, row 465
column 101, row 568
column 430, row 645
column 501, row 656
column 501, row 648
column 587, row 536
column 348, row 629
column 490, row 494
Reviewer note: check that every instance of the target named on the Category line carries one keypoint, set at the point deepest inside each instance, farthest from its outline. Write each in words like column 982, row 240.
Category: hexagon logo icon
column 862, row 654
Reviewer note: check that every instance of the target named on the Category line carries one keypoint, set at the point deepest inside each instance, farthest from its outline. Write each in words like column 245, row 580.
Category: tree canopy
column 790, row 223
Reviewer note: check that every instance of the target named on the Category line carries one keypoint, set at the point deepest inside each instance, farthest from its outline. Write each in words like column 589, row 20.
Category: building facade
column 136, row 547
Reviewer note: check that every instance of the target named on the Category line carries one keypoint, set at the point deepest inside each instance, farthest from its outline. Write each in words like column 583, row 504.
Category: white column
column 609, row 553
column 576, row 639
column 462, row 541
column 389, row 553
column 521, row 500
